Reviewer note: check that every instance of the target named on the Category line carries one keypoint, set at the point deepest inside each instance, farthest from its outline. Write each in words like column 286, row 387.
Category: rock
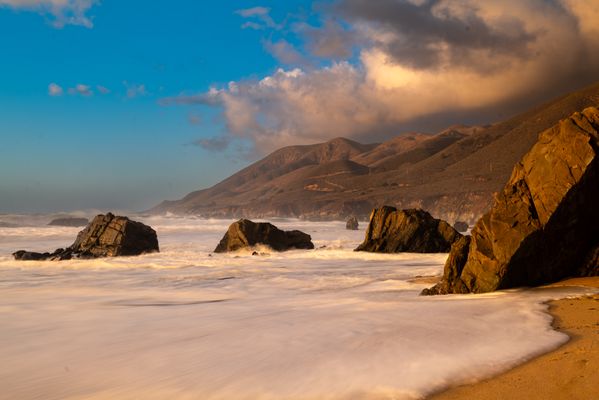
column 352, row 224
column 544, row 225
column 415, row 230
column 245, row 233
column 69, row 221
column 110, row 236
column 106, row 236
column 460, row 226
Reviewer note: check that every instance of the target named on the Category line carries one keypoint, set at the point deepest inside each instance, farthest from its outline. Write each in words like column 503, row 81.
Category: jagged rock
column 415, row 230
column 352, row 224
column 245, row 233
column 544, row 225
column 460, row 226
column 69, row 221
column 106, row 236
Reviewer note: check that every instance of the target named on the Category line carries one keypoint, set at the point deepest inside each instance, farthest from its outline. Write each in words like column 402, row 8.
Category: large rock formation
column 544, row 225
column 106, row 236
column 416, row 231
column 69, row 221
column 245, row 233
column 352, row 224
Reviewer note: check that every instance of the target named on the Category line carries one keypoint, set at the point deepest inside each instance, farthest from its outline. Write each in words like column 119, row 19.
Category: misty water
column 184, row 323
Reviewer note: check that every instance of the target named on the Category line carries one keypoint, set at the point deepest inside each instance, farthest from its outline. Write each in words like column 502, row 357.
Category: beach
column 569, row 372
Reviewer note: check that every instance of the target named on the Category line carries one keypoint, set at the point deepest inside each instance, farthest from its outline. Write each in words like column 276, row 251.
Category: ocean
column 186, row 323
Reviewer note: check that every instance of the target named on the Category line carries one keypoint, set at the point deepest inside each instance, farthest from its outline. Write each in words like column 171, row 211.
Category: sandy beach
column 569, row 372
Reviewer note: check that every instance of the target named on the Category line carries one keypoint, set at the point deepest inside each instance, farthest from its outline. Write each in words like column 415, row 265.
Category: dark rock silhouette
column 245, row 233
column 106, row 236
column 544, row 225
column 69, row 221
column 415, row 230
column 461, row 226
column 352, row 224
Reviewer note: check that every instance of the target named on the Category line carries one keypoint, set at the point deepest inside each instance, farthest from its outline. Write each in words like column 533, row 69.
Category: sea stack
column 245, row 233
column 415, row 231
column 544, row 225
column 106, row 236
column 352, row 224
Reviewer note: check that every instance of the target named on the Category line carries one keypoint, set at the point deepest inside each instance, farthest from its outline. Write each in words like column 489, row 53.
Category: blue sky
column 113, row 150
column 119, row 105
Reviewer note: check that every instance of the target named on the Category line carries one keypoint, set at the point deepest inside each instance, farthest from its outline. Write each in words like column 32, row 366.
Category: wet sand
column 570, row 372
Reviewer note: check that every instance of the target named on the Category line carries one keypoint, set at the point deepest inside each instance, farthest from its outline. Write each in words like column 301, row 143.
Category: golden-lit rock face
column 415, row 231
column 544, row 225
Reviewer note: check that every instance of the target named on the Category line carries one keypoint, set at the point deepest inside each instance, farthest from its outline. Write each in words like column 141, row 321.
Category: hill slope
column 452, row 174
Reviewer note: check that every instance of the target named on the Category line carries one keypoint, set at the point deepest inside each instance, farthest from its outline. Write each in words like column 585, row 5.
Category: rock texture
column 415, row 230
column 69, row 221
column 106, row 236
column 461, row 226
column 352, row 224
column 544, row 225
column 245, row 233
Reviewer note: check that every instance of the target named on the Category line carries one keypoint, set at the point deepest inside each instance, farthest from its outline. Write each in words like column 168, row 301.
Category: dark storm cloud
column 423, row 33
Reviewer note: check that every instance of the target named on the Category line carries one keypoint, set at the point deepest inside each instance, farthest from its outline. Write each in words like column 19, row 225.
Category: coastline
column 569, row 372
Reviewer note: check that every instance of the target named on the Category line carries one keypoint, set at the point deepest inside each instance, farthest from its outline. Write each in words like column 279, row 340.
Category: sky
column 122, row 104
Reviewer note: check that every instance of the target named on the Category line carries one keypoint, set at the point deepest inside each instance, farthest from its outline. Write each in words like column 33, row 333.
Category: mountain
column 452, row 174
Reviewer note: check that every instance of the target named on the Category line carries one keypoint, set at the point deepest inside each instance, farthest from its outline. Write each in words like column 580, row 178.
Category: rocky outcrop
column 106, row 236
column 245, row 233
column 352, row 224
column 461, row 226
column 69, row 221
column 544, row 225
column 415, row 230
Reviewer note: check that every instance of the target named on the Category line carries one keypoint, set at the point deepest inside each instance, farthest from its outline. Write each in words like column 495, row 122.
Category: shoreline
column 569, row 372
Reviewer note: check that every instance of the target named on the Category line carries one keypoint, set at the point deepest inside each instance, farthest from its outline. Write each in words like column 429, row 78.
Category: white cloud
column 527, row 51
column 81, row 89
column 135, row 90
column 55, row 90
column 261, row 16
column 102, row 89
column 63, row 12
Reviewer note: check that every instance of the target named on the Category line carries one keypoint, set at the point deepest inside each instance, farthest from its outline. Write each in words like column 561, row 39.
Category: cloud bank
column 418, row 60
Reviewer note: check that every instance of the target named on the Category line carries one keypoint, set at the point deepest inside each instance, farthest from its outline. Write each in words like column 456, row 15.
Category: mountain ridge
column 452, row 174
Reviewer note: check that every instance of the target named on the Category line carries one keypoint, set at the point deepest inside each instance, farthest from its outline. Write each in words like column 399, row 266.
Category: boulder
column 69, row 221
column 352, row 224
column 544, row 224
column 106, row 236
column 245, row 233
column 415, row 231
column 460, row 226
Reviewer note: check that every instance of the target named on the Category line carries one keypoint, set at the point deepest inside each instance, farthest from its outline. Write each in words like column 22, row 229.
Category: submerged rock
column 245, row 233
column 106, row 236
column 460, row 226
column 69, row 221
column 544, row 225
column 352, row 224
column 415, row 230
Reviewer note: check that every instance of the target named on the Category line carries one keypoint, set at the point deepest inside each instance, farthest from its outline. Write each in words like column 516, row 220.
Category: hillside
column 452, row 174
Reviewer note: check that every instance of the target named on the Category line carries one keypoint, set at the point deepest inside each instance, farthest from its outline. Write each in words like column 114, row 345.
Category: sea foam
column 184, row 323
